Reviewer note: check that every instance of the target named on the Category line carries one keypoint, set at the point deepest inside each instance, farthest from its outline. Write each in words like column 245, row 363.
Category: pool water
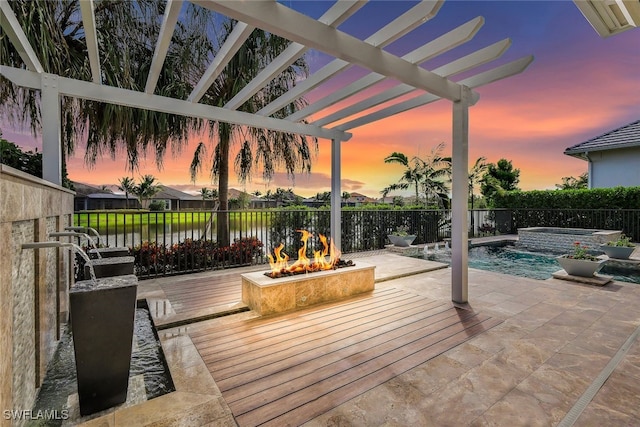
column 535, row 265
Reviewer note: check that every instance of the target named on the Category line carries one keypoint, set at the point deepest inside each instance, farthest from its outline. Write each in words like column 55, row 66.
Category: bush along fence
column 165, row 243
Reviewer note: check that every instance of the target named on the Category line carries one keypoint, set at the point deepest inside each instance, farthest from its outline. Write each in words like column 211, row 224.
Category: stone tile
column 454, row 405
column 494, row 297
column 555, row 391
column 516, row 409
column 174, row 409
column 434, row 374
column 574, row 360
column 468, row 355
column 194, row 379
column 620, row 393
column 180, row 351
column 497, row 338
column 495, row 378
column 596, row 415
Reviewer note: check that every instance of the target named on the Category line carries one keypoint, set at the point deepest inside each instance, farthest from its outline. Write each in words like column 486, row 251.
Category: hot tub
column 562, row 240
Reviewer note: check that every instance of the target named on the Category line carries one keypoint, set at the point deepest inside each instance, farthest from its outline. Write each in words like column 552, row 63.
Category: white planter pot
column 402, row 241
column 618, row 252
column 580, row 267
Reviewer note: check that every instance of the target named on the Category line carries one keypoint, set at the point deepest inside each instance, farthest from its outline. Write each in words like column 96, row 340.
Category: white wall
column 614, row 168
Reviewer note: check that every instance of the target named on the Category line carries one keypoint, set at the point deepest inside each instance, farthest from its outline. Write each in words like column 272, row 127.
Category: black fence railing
column 165, row 243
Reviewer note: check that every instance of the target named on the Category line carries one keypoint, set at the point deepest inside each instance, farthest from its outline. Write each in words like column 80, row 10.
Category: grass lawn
column 131, row 218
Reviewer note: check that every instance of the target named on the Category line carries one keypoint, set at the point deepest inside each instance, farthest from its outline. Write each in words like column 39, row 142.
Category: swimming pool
column 535, row 265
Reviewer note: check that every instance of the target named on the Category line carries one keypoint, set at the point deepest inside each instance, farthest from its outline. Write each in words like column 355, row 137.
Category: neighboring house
column 357, row 199
column 93, row 198
column 176, row 200
column 613, row 157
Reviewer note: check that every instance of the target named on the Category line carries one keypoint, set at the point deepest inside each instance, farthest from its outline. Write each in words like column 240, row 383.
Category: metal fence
column 178, row 242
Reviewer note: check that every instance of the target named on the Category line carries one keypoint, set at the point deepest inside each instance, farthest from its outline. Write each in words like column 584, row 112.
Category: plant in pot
column 580, row 262
column 401, row 236
column 619, row 249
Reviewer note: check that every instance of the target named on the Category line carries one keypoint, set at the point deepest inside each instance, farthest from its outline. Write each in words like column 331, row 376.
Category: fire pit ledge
column 265, row 295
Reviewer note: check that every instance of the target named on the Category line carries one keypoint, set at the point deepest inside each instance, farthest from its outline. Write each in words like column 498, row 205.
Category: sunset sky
column 578, row 87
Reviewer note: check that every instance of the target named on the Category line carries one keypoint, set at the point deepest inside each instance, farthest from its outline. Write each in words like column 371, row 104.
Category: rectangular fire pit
column 265, row 295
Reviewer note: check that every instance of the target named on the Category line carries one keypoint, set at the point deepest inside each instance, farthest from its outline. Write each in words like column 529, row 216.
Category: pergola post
column 460, row 189
column 336, row 193
column 51, row 140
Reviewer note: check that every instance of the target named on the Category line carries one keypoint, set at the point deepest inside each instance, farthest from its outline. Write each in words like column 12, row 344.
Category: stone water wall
column 34, row 285
column 562, row 240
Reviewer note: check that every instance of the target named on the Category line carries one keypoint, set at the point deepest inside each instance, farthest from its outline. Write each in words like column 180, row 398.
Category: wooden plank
column 300, row 330
column 263, row 325
column 284, row 354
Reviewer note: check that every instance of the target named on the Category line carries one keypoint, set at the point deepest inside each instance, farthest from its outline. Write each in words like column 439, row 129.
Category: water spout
column 56, row 244
column 446, row 247
column 86, row 230
column 76, row 234
column 436, row 248
column 426, row 249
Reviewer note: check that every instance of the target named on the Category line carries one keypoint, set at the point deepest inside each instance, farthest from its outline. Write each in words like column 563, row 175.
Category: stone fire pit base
column 265, row 295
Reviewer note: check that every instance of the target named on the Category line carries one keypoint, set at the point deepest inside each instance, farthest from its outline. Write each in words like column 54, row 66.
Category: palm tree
column 128, row 186
column 429, row 175
column 127, row 33
column 147, row 188
column 259, row 148
column 475, row 177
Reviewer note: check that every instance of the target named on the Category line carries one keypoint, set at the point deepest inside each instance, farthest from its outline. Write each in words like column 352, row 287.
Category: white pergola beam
column 337, row 14
column 234, row 42
column 18, row 38
column 278, row 19
column 130, row 98
column 432, row 49
column 481, row 79
column 419, row 14
column 91, row 37
column 169, row 21
column 458, row 66
column 631, row 11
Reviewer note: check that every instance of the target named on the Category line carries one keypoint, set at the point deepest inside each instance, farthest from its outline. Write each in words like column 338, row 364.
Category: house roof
column 172, row 193
column 83, row 190
column 622, row 137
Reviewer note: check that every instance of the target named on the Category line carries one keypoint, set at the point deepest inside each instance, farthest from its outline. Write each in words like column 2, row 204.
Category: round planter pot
column 618, row 252
column 402, row 241
column 580, row 267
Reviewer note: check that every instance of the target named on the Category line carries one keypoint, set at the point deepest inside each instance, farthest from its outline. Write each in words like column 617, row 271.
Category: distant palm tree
column 128, row 186
column 147, row 188
column 429, row 174
column 475, row 177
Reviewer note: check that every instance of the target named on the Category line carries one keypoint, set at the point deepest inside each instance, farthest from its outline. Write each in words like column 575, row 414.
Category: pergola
column 305, row 33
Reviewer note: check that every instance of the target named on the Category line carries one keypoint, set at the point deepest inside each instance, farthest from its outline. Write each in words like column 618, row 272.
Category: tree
column 127, row 33
column 429, row 175
column 571, row 183
column 499, row 178
column 146, row 189
column 128, row 186
column 259, row 148
column 475, row 177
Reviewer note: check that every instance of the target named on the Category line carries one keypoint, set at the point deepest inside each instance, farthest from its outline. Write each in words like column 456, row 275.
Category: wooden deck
column 197, row 294
column 288, row 369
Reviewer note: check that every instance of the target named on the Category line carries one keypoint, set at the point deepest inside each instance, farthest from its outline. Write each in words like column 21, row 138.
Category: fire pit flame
column 279, row 262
